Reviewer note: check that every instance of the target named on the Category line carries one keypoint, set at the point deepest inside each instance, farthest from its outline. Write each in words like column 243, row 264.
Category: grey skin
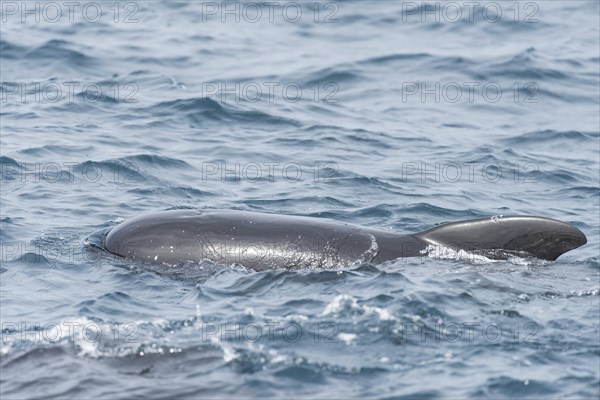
column 268, row 241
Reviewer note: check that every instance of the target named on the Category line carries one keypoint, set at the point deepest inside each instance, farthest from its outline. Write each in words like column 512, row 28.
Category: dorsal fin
column 540, row 237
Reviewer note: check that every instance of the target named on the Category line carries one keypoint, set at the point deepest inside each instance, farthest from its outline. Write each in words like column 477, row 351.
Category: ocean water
column 388, row 114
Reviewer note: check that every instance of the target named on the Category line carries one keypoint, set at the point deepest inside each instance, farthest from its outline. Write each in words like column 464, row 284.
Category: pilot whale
column 262, row 241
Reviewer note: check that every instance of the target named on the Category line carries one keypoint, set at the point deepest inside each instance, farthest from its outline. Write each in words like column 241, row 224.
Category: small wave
column 9, row 168
column 59, row 50
column 154, row 160
column 506, row 386
column 206, row 110
column 553, row 137
column 52, row 149
column 11, row 51
column 112, row 171
column 391, row 58
column 173, row 191
column 333, row 75
column 51, row 172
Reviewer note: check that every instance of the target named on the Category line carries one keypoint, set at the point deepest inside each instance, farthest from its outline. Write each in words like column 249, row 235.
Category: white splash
column 497, row 219
column 446, row 253
column 343, row 300
column 347, row 338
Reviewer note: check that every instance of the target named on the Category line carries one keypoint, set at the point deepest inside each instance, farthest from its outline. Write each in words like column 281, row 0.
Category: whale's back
column 254, row 240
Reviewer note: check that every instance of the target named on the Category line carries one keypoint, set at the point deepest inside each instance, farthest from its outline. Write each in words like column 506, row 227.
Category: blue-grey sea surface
column 389, row 114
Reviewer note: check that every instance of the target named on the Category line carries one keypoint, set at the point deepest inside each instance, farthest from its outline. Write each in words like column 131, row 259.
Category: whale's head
column 161, row 237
